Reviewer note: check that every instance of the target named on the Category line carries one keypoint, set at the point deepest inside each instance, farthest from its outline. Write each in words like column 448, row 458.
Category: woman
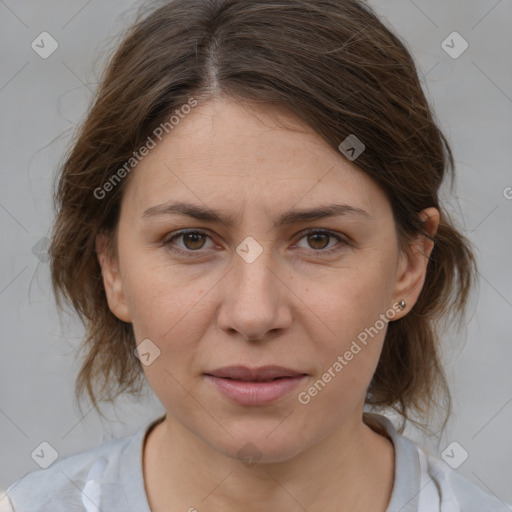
column 249, row 220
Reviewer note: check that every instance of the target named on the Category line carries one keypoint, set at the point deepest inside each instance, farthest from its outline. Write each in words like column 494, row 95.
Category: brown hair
column 336, row 66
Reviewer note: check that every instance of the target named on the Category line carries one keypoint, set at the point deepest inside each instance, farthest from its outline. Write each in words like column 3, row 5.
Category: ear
column 112, row 280
column 412, row 267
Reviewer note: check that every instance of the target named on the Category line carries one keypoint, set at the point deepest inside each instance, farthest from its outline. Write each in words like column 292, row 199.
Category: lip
column 255, row 386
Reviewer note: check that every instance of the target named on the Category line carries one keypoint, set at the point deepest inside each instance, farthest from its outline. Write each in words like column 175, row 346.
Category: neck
column 352, row 469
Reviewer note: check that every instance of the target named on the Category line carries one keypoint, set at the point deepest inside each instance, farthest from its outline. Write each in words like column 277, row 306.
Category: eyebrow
column 290, row 217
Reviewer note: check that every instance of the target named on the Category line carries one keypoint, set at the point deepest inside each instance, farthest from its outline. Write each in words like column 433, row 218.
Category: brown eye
column 192, row 241
column 318, row 241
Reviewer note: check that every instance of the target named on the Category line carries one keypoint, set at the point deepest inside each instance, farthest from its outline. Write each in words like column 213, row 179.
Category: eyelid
column 343, row 240
column 178, row 234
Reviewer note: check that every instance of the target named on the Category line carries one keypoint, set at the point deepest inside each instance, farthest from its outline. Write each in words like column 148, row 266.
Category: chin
column 257, row 443
column 258, row 451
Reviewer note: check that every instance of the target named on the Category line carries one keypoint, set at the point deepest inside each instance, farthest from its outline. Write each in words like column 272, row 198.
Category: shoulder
column 72, row 483
column 456, row 492
column 425, row 483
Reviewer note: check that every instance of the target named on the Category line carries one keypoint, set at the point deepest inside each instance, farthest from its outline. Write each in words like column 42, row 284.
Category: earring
column 401, row 305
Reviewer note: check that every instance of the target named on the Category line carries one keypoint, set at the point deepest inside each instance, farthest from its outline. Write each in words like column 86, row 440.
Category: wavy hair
column 339, row 69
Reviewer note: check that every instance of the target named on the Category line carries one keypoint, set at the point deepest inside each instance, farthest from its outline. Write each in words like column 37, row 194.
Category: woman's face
column 252, row 291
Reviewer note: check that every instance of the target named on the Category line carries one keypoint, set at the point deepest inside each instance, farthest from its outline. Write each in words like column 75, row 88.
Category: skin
column 294, row 306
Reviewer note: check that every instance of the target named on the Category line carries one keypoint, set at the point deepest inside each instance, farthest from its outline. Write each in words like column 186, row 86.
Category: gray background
column 43, row 100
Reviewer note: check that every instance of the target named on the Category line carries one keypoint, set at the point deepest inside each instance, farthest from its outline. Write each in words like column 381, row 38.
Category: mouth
column 257, row 386
column 254, row 380
column 261, row 374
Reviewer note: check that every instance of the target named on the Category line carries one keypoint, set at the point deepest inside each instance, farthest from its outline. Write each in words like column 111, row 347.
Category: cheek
column 353, row 300
column 161, row 297
column 171, row 306
column 355, row 312
column 174, row 312
column 346, row 363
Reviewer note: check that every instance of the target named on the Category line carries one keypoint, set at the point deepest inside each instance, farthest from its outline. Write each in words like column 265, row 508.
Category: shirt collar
column 407, row 474
column 406, row 484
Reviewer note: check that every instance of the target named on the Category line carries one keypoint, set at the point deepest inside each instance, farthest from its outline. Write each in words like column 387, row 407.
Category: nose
column 255, row 299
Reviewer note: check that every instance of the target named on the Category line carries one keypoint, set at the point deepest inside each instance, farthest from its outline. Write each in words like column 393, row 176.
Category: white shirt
column 109, row 478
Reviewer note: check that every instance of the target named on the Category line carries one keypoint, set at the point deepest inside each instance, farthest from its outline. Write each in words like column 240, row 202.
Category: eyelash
column 319, row 252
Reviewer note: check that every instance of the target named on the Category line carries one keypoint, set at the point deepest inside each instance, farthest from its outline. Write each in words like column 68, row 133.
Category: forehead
column 229, row 152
